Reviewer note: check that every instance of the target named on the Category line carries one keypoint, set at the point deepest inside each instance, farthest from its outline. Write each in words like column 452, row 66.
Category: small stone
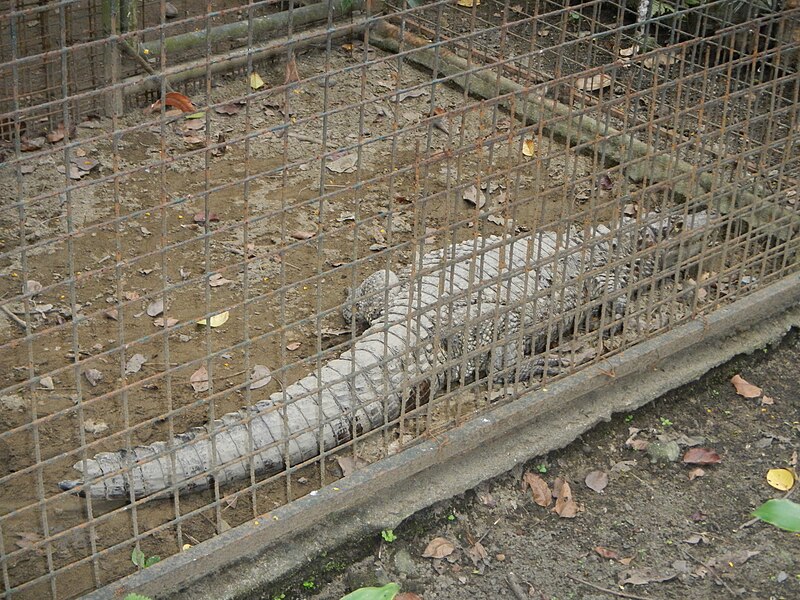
column 663, row 451
column 404, row 563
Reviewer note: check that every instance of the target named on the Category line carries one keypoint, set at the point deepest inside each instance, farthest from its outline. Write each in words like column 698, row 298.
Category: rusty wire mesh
column 325, row 142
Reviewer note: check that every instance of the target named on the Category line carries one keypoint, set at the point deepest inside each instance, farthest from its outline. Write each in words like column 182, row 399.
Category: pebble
column 663, row 451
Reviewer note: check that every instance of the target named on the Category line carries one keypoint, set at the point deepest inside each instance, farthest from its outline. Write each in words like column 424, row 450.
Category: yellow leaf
column 780, row 479
column 469, row 3
column 527, row 148
column 256, row 82
column 216, row 320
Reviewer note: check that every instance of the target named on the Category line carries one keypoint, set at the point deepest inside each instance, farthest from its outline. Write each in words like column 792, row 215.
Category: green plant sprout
column 141, row 561
column 665, row 422
column 388, row 536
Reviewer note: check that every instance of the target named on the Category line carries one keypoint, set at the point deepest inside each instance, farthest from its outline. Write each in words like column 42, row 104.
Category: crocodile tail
column 351, row 395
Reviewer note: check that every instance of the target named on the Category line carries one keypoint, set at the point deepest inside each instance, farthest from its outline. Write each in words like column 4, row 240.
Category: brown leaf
column 57, row 134
column 767, row 401
column 605, row 182
column 745, row 389
column 696, row 538
column 229, row 109
column 625, row 561
column 732, row 559
column 291, row 70
column 597, row 481
column 438, row 548
column 201, row 217
column 539, row 489
column 701, row 456
column 134, row 364
column 199, row 380
column 217, row 280
column 168, row 322
column 292, row 346
column 593, row 84
column 478, row 554
column 176, row 100
column 638, row 444
column 606, row 553
column 647, row 575
column 557, row 485
column 695, row 473
column 349, row 465
column 302, row 235
column 565, row 507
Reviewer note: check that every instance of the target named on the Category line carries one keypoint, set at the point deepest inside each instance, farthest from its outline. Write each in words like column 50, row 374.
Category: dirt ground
column 678, row 538
column 284, row 238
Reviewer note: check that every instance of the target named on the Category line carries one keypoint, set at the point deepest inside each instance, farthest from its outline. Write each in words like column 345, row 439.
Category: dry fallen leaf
column 730, row 560
column 695, row 473
column 469, row 3
column 259, row 377
column 256, row 82
column 565, row 506
column 201, row 217
column 199, row 380
column 696, row 538
column 349, row 465
column 606, row 553
column 744, row 388
column 229, row 109
column 46, row 383
column 528, row 148
column 217, row 280
column 176, row 100
column 293, row 346
column 302, row 235
column 134, row 365
column 93, row 376
column 539, row 489
column 343, row 164
column 780, row 479
column 168, row 322
column 767, row 401
column 438, row 548
column 593, row 84
column 659, row 60
column 57, row 134
column 628, row 52
column 216, row 320
column 474, row 196
column 597, row 481
column 155, row 308
column 32, row 287
column 701, row 456
column 646, row 575
column 95, row 427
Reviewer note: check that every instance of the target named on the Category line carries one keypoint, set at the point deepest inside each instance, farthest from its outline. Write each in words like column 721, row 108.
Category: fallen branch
column 607, row 590
column 641, row 160
column 14, row 317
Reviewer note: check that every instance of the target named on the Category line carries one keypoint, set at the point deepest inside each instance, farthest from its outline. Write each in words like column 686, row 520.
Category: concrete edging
column 252, row 555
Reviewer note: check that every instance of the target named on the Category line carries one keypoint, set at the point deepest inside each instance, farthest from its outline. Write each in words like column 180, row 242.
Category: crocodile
column 484, row 307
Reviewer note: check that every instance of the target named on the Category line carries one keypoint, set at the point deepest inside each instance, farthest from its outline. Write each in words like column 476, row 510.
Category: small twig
column 515, row 587
column 755, row 520
column 712, row 571
column 131, row 51
column 607, row 590
column 14, row 317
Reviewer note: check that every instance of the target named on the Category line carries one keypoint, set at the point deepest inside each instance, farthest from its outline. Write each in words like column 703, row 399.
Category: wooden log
column 641, row 160
column 262, row 27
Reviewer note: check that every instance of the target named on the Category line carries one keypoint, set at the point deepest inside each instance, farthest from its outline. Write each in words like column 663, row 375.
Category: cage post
column 111, row 58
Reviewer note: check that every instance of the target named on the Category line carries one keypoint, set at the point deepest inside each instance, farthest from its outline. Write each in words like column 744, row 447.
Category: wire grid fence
column 166, row 262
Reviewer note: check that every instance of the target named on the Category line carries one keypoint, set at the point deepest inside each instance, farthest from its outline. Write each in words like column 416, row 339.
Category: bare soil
column 696, row 535
column 128, row 233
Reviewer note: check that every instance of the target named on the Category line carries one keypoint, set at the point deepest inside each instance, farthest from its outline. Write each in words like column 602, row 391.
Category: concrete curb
column 244, row 559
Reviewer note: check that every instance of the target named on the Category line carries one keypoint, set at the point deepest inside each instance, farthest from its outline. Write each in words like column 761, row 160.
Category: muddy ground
column 687, row 538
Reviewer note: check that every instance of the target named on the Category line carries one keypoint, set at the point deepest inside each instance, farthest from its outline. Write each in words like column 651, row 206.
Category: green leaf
column 783, row 513
column 138, row 558
column 151, row 561
column 386, row 592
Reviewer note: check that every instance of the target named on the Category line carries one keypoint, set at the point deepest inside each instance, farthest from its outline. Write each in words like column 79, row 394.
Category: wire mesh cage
column 247, row 248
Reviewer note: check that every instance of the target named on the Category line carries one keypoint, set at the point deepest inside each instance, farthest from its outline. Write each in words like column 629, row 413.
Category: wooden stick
column 14, row 317
column 607, row 590
column 515, row 587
